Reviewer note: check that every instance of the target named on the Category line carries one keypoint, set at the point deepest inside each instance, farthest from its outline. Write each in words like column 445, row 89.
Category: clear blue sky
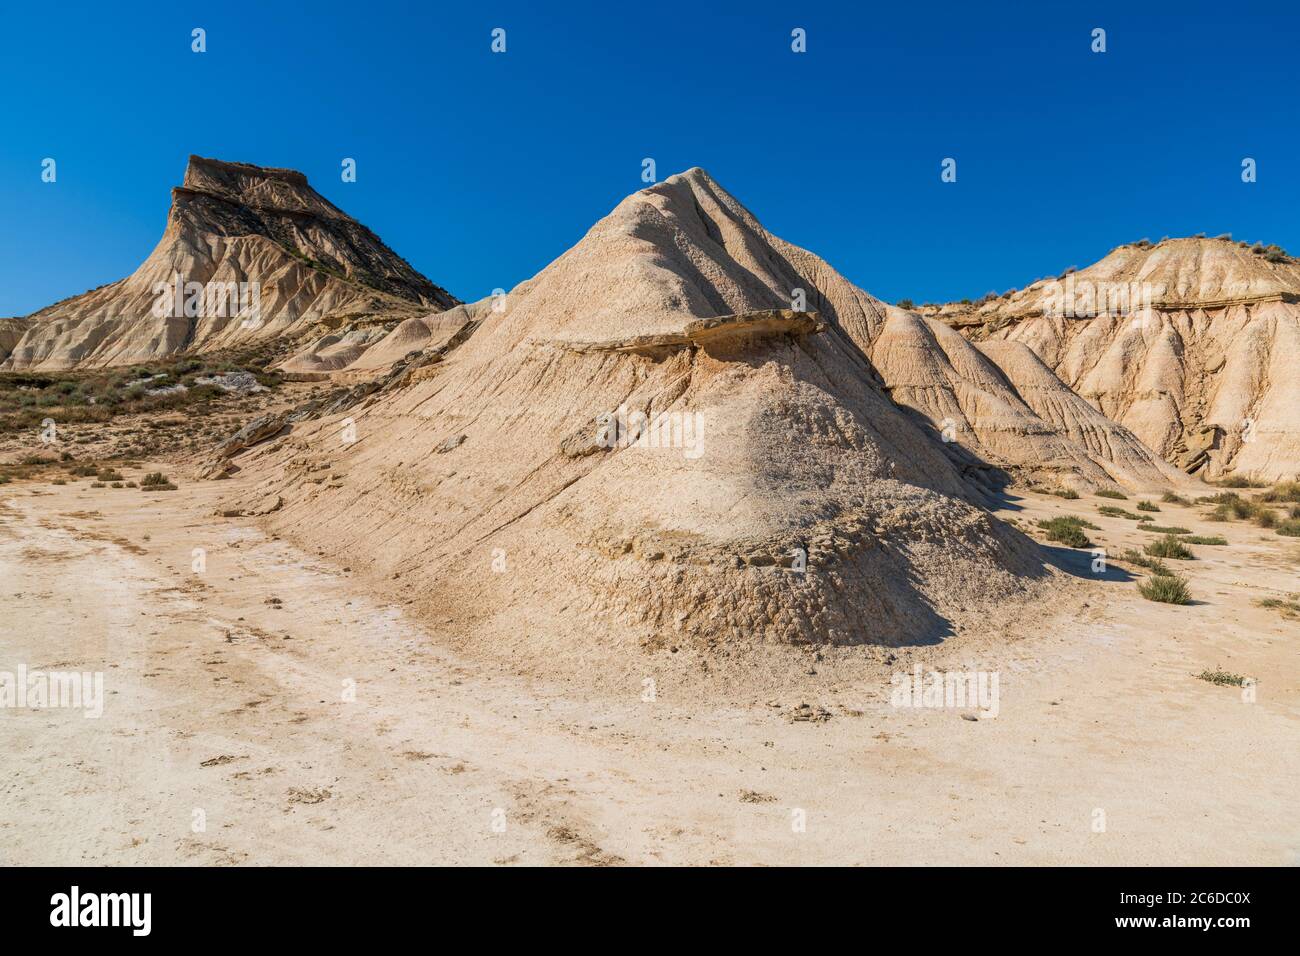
column 481, row 168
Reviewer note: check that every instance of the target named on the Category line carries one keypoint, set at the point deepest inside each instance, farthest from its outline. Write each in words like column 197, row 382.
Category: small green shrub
column 1147, row 506
column 156, row 481
column 1066, row 531
column 1222, row 677
column 1169, row 547
column 1229, row 506
column 1068, row 493
column 1154, row 565
column 1170, row 498
column 1166, row 589
column 1223, row 498
column 1080, row 522
column 1287, row 607
column 1238, row 507
column 1237, row 481
column 1110, row 511
column 1287, row 491
column 1109, row 493
column 1290, row 528
column 1209, row 539
column 1165, row 529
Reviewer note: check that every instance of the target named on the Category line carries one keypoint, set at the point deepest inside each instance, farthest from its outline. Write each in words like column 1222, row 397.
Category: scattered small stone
column 806, row 713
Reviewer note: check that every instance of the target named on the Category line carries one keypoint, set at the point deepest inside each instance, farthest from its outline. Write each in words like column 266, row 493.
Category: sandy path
column 228, row 693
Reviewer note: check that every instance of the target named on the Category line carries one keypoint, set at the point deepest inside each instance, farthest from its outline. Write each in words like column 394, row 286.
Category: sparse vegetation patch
column 1288, row 606
column 156, row 481
column 1169, row 547
column 1222, row 677
column 1165, row 589
column 1068, row 530
column 1110, row 511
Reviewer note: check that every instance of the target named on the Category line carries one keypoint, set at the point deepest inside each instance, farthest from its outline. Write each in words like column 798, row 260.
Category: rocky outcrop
column 714, row 331
column 11, row 333
column 249, row 255
column 1008, row 410
column 218, row 464
column 359, row 355
column 1190, row 344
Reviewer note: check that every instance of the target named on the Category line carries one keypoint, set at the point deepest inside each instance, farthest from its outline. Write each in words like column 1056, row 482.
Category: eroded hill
column 1190, row 343
column 249, row 254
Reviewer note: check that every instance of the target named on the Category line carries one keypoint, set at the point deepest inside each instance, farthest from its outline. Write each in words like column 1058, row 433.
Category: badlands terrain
column 625, row 565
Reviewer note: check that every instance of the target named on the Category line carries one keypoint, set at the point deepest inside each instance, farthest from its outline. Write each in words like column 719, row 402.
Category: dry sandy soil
column 311, row 721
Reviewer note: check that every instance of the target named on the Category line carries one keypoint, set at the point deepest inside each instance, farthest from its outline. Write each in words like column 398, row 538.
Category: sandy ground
column 269, row 708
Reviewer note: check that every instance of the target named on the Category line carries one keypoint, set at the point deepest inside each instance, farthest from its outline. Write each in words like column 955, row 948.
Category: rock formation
column 1190, row 343
column 647, row 443
column 249, row 254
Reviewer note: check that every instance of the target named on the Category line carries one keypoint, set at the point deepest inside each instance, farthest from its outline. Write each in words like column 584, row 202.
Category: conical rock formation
column 644, row 445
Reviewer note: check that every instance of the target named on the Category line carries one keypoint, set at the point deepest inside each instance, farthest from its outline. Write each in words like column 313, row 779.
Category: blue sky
column 480, row 168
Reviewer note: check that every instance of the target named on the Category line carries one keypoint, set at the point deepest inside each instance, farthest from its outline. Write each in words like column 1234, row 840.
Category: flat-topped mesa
column 730, row 330
column 237, row 199
column 202, row 169
column 264, row 188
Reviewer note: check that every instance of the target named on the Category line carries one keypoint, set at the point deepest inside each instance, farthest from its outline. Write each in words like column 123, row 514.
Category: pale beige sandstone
column 231, row 222
column 1205, row 377
column 1009, row 409
column 367, row 356
column 485, row 486
column 333, row 351
column 11, row 331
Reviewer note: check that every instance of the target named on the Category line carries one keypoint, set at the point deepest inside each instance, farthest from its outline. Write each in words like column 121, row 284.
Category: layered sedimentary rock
column 360, row 354
column 1190, row 343
column 647, row 443
column 249, row 254
column 1008, row 410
